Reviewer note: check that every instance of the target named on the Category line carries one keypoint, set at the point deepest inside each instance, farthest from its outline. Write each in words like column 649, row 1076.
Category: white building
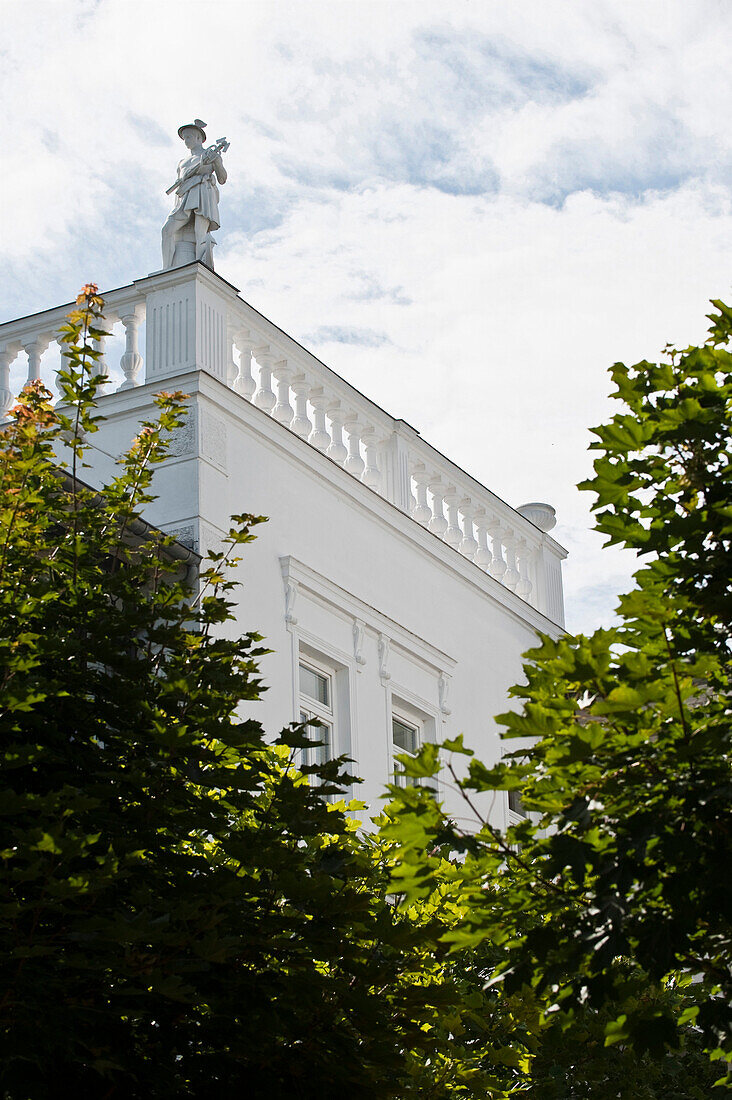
column 396, row 592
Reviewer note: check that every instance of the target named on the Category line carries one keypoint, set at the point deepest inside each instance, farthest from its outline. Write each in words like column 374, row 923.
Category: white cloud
column 475, row 208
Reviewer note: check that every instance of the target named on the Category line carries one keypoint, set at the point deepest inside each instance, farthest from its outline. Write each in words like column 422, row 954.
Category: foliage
column 575, row 1063
column 500, row 1046
column 182, row 912
column 618, row 882
column 185, row 914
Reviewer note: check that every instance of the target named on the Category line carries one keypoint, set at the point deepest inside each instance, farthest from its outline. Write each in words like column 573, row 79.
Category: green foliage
column 501, row 1046
column 610, row 904
column 182, row 913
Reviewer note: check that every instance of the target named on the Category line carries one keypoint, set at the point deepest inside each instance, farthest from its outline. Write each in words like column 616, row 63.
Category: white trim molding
column 363, row 616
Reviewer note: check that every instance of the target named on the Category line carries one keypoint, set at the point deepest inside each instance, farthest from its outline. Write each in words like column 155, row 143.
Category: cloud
column 487, row 71
column 593, row 605
column 149, row 130
column 371, row 290
column 337, row 334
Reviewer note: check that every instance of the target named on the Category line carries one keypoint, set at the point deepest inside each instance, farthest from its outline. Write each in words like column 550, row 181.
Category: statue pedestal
column 187, row 310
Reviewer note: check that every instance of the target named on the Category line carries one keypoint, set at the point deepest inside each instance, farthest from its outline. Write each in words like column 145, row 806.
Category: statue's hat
column 197, row 124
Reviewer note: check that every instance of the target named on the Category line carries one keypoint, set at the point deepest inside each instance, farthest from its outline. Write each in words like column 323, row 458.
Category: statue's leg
column 204, row 252
column 171, row 229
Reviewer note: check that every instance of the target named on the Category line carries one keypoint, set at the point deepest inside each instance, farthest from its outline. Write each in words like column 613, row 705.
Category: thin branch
column 677, row 686
column 508, row 851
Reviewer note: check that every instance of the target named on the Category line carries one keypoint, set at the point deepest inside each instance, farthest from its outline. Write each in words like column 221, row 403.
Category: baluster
column 301, row 424
column 131, row 360
column 99, row 343
column 264, row 398
column 337, row 449
column 7, row 356
column 498, row 565
column 524, row 555
column 483, row 557
column 438, row 523
column 244, row 382
column 319, row 436
column 64, row 362
column 354, row 463
column 34, row 349
column 283, row 410
column 421, row 510
column 453, row 534
column 371, row 475
column 511, row 576
column 468, row 544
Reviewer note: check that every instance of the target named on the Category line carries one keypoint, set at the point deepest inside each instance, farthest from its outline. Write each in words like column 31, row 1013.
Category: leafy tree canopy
column 617, row 883
column 182, row 910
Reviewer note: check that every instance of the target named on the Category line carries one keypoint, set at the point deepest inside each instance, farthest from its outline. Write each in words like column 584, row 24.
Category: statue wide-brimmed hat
column 197, row 124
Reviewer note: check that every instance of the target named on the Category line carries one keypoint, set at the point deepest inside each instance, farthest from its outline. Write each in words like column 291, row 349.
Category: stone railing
column 193, row 319
column 33, row 340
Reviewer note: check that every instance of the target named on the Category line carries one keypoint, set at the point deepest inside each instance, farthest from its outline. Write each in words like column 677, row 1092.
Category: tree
column 182, row 911
column 617, row 883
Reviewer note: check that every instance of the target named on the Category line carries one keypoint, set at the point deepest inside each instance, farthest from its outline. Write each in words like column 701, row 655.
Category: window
column 405, row 738
column 316, row 708
column 515, row 804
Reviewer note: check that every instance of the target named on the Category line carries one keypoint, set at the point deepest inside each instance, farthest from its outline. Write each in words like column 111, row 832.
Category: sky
column 469, row 209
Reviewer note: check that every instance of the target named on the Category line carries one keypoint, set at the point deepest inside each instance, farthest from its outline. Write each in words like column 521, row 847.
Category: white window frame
column 514, row 817
column 413, row 723
column 314, row 709
column 417, row 676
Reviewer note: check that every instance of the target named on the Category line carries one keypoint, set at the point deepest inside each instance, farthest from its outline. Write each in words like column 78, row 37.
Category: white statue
column 187, row 232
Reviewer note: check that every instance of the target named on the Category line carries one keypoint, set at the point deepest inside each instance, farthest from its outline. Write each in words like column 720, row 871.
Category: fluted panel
column 168, row 326
column 211, row 340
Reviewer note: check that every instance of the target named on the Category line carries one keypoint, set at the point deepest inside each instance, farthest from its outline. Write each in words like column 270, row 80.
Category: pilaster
column 396, row 465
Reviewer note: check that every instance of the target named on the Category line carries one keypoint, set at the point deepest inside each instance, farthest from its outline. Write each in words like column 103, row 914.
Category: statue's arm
column 185, row 174
column 220, row 170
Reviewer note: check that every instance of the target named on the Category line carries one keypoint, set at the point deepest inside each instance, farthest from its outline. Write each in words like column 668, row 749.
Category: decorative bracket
column 384, row 648
column 443, row 690
column 291, row 591
column 358, row 632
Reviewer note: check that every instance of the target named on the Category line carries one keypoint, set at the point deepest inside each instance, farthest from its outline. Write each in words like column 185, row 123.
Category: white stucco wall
column 359, row 571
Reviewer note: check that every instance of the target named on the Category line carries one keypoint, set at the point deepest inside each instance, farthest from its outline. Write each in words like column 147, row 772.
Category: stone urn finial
column 542, row 516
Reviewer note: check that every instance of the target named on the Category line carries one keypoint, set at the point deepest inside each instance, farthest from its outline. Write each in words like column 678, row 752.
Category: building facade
column 396, row 593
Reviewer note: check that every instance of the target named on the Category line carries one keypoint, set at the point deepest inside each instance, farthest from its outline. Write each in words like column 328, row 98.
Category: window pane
column 318, row 731
column 403, row 780
column 315, row 685
column 515, row 803
column 405, row 737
